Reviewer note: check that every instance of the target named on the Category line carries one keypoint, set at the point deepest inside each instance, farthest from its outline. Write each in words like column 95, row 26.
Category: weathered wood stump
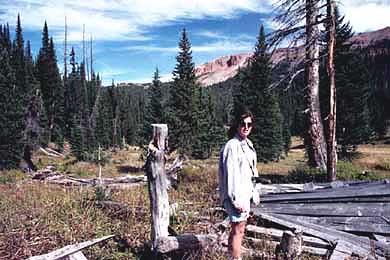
column 158, row 184
column 290, row 245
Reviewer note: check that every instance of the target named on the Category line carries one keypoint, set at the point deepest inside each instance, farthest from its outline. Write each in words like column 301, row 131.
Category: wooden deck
column 353, row 217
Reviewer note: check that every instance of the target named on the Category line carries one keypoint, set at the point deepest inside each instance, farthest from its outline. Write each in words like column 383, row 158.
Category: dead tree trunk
column 315, row 137
column 158, row 184
column 291, row 245
column 332, row 153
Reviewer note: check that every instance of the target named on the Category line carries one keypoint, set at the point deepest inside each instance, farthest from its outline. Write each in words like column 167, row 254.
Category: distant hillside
column 226, row 67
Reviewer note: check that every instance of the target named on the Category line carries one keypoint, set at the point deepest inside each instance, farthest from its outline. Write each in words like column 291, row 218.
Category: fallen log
column 56, row 155
column 184, row 242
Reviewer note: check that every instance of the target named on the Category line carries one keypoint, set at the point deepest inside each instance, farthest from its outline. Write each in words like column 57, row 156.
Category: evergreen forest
column 41, row 106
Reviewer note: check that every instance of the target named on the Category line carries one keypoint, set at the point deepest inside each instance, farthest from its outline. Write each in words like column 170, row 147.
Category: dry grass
column 295, row 158
column 375, row 157
column 36, row 218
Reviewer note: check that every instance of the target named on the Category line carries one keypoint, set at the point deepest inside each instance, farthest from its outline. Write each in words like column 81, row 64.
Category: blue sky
column 133, row 37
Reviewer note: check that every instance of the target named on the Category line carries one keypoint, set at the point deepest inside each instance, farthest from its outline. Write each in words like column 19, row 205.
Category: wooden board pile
column 345, row 218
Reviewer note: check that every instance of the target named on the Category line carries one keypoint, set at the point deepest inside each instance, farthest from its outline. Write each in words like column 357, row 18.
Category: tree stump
column 158, row 184
column 290, row 246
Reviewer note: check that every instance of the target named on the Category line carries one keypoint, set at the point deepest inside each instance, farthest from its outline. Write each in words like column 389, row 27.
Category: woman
column 237, row 166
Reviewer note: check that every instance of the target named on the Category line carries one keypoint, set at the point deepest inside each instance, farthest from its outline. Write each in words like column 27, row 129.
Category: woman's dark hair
column 237, row 121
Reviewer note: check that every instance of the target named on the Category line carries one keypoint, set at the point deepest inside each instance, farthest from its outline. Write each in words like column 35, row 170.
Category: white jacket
column 235, row 173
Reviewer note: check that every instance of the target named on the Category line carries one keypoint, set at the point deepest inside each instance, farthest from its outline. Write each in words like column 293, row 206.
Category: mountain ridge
column 225, row 67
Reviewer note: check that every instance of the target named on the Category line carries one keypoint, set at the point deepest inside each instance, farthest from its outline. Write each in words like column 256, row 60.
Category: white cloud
column 366, row 15
column 149, row 48
column 118, row 19
column 225, row 45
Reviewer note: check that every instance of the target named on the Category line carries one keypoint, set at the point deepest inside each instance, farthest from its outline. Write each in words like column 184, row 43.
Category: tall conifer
column 182, row 96
column 255, row 95
column 154, row 107
column 51, row 87
column 12, row 111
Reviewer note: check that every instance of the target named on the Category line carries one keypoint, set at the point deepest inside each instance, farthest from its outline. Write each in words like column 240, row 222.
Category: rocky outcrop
column 370, row 38
column 227, row 67
column 221, row 69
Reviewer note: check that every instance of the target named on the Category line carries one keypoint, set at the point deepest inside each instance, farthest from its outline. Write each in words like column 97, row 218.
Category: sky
column 131, row 38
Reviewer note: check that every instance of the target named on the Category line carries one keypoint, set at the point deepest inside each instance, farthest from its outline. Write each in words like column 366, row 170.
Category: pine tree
column 180, row 115
column 12, row 116
column 154, row 108
column 254, row 94
column 201, row 146
column 353, row 117
column 104, row 119
column 51, row 87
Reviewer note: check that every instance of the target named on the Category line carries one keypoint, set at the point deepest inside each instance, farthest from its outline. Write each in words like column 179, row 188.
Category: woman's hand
column 240, row 210
column 256, row 198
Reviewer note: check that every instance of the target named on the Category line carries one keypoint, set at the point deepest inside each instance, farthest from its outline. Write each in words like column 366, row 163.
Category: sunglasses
column 245, row 124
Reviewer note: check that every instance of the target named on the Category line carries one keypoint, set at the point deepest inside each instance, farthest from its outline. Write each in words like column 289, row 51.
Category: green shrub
column 348, row 171
column 304, row 173
column 345, row 171
column 11, row 176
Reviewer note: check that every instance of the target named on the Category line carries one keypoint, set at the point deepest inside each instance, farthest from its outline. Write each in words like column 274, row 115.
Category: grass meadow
column 37, row 217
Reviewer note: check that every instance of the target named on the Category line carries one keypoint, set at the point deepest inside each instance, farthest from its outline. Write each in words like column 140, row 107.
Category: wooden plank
column 356, row 191
column 366, row 199
column 70, row 249
column 356, row 224
column 350, row 243
column 77, row 256
column 306, row 249
column 337, row 254
column 329, row 209
column 276, row 235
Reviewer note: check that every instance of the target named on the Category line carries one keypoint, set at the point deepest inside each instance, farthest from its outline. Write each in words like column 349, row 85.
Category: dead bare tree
column 299, row 20
column 332, row 151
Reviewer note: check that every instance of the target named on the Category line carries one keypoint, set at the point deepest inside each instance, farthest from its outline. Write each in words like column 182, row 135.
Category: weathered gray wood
column 329, row 209
column 77, row 256
column 338, row 254
column 352, row 191
column 375, row 225
column 291, row 245
column 185, row 242
column 276, row 235
column 349, row 243
column 306, row 249
column 70, row 249
column 268, row 189
column 158, row 184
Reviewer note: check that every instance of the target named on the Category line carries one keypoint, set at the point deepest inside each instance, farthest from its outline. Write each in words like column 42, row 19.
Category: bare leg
column 235, row 238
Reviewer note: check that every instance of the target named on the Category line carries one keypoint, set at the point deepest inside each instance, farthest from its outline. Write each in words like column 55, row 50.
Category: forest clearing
column 38, row 217
column 89, row 171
